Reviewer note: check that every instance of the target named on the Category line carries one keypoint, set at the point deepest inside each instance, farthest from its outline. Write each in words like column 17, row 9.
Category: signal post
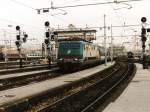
column 143, row 39
column 19, row 42
column 50, row 39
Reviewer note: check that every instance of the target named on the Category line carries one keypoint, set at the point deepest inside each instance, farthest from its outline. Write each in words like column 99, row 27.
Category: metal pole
column 20, row 56
column 135, row 42
column 149, row 45
column 143, row 51
column 105, row 40
column 45, row 52
column 5, row 46
column 111, row 45
column 49, row 48
column 49, row 56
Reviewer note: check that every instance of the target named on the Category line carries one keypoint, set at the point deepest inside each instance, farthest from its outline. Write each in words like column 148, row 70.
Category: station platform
column 15, row 75
column 136, row 97
column 25, row 92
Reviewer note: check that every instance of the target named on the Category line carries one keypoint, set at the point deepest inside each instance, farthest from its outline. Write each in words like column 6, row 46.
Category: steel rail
column 23, row 104
column 45, row 109
column 21, row 80
column 87, row 109
column 19, row 70
column 66, row 97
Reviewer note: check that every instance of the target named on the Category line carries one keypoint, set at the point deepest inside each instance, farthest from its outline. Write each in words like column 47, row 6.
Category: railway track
column 76, row 96
column 13, row 64
column 22, row 99
column 24, row 69
column 23, row 76
column 85, row 97
column 20, row 79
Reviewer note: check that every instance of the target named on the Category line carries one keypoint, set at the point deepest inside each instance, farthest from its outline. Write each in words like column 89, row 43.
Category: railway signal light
column 143, row 31
column 148, row 29
column 47, row 24
column 143, row 38
column 17, row 27
column 47, row 34
column 25, row 38
column 52, row 37
column 18, row 37
column 17, row 43
column 143, row 19
column 25, row 35
column 143, row 34
column 143, row 46
column 38, row 11
column 46, row 41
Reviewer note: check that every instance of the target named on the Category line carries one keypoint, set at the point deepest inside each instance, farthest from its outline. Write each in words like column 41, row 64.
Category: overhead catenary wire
column 114, row 26
column 130, row 6
column 116, row 1
column 27, row 6
column 68, row 1
column 60, row 8
column 90, row 4
column 23, row 4
column 15, row 22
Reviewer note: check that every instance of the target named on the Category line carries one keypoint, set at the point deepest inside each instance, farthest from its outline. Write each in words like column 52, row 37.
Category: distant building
column 76, row 33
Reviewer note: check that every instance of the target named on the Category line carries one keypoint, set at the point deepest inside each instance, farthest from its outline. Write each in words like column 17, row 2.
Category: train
column 10, row 56
column 74, row 55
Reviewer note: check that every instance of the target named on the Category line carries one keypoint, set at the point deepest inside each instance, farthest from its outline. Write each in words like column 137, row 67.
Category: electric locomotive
column 75, row 49
column 75, row 54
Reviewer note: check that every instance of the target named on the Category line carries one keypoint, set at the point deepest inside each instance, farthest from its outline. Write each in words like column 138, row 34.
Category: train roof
column 83, row 42
column 74, row 31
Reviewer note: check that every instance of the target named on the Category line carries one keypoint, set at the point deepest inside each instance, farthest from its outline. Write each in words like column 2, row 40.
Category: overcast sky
column 23, row 13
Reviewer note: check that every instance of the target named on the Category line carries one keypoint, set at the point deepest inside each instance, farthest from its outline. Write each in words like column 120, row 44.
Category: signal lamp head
column 25, row 35
column 47, row 23
column 143, row 19
column 38, row 11
column 55, row 33
column 18, row 37
column 52, row 37
column 17, row 43
column 17, row 27
column 143, row 46
column 46, row 41
column 47, row 34
column 24, row 39
column 144, row 39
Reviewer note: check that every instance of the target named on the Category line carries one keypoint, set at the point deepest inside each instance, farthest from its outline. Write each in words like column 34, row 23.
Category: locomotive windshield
column 69, row 45
column 70, row 49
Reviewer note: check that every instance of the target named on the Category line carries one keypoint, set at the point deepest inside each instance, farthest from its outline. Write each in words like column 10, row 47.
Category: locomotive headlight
column 76, row 59
column 60, row 59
